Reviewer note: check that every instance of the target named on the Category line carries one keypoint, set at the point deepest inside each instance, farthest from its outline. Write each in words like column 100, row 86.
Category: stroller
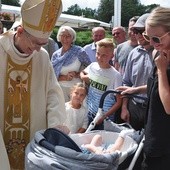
column 52, row 149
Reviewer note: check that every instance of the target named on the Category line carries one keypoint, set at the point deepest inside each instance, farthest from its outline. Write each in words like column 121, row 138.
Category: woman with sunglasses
column 157, row 133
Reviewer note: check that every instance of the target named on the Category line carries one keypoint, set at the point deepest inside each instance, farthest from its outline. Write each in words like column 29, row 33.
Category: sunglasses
column 138, row 31
column 154, row 38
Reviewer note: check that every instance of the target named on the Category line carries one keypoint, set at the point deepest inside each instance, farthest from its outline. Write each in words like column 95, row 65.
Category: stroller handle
column 118, row 92
column 99, row 114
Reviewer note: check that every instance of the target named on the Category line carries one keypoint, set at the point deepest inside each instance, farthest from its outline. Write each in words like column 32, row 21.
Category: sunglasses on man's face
column 138, row 31
column 154, row 38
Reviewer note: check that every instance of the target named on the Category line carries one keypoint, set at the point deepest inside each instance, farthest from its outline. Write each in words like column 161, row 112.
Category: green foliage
column 129, row 8
column 89, row 13
column 54, row 34
column 83, row 36
column 149, row 8
column 76, row 10
column 11, row 2
column 105, row 10
column 104, row 13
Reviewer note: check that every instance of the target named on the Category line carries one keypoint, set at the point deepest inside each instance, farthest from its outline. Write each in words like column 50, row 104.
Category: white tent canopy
column 64, row 19
column 79, row 21
column 12, row 9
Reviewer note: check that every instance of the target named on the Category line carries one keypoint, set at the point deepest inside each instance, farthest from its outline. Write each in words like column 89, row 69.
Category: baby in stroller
column 98, row 147
column 52, row 149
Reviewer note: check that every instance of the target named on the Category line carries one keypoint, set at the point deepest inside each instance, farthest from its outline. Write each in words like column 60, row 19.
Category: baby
column 98, row 147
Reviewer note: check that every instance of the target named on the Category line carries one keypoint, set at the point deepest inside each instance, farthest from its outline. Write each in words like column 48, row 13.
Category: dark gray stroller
column 53, row 150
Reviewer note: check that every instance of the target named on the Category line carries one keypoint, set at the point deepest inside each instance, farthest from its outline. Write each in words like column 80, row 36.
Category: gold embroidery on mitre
column 49, row 16
column 17, row 111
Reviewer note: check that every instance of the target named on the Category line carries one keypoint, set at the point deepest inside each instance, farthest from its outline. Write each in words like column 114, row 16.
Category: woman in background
column 68, row 60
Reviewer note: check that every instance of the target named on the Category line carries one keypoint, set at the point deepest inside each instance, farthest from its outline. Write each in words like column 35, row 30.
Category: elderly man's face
column 98, row 35
column 119, row 35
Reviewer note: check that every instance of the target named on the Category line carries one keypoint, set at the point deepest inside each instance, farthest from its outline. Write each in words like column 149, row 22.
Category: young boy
column 77, row 119
column 101, row 76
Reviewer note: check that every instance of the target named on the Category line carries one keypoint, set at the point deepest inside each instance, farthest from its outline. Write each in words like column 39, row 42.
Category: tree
column 129, row 8
column 89, row 13
column 11, row 2
column 105, row 10
column 76, row 10
column 149, row 8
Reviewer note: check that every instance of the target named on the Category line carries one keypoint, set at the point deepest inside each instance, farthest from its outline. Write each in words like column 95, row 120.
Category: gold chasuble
column 17, row 111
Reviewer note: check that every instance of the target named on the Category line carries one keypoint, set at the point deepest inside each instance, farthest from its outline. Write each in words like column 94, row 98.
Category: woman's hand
column 71, row 75
column 162, row 61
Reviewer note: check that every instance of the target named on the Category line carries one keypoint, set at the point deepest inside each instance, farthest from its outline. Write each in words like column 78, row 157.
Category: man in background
column 98, row 33
column 122, row 51
column 119, row 35
column 138, row 68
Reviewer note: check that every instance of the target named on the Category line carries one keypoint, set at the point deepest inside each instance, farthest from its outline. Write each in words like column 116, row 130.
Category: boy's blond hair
column 106, row 42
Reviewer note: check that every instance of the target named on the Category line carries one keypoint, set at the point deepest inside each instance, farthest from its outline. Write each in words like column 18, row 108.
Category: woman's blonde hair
column 160, row 16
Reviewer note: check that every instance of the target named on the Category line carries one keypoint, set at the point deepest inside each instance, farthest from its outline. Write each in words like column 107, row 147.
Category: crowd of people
column 61, row 87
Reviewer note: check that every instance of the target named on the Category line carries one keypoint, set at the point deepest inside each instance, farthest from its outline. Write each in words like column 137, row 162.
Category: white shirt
column 76, row 118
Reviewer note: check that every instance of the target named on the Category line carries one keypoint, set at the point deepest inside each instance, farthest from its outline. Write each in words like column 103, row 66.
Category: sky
column 164, row 3
column 94, row 4
column 82, row 3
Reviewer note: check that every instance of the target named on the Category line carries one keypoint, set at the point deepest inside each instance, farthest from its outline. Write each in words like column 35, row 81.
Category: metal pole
column 117, row 13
